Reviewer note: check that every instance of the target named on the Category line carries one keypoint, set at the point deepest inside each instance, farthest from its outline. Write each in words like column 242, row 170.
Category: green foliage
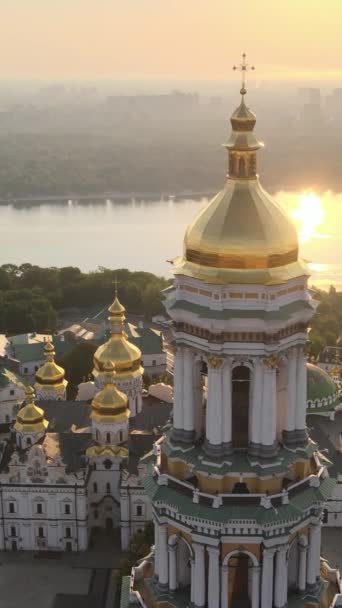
column 139, row 547
column 326, row 326
column 78, row 365
column 30, row 295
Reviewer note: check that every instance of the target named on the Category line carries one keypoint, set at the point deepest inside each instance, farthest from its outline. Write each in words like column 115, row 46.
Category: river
column 143, row 235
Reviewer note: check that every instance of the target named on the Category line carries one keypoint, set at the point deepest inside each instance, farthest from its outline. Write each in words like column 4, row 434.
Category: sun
column 308, row 215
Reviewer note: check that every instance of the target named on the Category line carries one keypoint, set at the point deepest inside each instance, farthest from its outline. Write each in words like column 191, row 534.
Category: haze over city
column 155, row 39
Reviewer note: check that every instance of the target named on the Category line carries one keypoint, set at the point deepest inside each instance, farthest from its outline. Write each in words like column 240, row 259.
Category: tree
column 78, row 364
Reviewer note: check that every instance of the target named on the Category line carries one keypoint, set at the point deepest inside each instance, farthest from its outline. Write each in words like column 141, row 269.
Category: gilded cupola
column 30, row 418
column 125, row 356
column 242, row 235
column 109, row 404
column 50, row 377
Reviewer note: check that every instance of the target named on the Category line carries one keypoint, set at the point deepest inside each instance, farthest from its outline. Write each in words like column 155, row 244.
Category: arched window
column 28, row 442
column 95, row 487
column 240, row 405
column 108, row 437
column 108, row 487
column 242, row 171
column 121, row 436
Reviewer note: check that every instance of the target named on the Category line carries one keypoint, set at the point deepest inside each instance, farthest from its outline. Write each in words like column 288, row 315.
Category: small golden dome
column 116, row 308
column 31, row 417
column 50, row 374
column 125, row 356
column 109, row 402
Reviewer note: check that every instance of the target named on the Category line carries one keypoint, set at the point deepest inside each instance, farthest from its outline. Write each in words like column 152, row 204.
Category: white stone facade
column 41, row 505
column 276, row 365
column 11, row 397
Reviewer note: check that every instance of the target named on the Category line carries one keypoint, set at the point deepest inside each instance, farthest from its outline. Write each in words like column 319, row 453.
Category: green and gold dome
column 322, row 391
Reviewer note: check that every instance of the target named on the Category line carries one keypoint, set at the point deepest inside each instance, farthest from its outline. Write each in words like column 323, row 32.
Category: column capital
column 271, row 362
column 215, row 551
column 268, row 552
column 197, row 547
column 282, row 548
column 215, row 362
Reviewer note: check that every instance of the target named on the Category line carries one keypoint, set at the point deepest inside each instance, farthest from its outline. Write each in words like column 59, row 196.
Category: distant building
column 330, row 357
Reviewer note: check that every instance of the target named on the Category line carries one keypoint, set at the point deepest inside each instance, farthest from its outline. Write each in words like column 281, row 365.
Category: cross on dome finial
column 243, row 68
column 116, row 285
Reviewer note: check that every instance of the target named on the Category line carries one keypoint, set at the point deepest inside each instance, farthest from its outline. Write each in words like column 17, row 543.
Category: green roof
column 295, row 511
column 34, row 352
column 125, row 591
column 237, row 462
column 283, row 313
column 320, row 385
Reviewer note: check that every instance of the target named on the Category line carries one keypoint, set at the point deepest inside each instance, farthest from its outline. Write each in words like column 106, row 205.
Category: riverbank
column 120, row 197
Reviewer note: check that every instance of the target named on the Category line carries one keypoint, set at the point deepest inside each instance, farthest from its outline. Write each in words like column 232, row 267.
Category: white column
column 267, row 578
column 290, row 423
column 302, row 549
column 188, row 391
column 172, row 566
column 214, row 402
column 255, row 591
column 193, row 582
column 314, row 553
column 269, row 417
column 198, row 399
column 301, row 391
column 227, row 402
column 156, row 548
column 255, row 422
column 125, row 517
column 163, row 557
column 224, row 586
column 213, row 578
column 280, row 582
column 178, row 418
column 199, row 577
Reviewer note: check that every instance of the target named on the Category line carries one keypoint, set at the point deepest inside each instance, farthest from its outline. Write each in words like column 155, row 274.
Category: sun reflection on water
column 318, row 219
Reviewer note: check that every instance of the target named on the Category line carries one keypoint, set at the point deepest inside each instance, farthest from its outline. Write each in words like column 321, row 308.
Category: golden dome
column 243, row 235
column 50, row 374
column 30, row 418
column 110, row 403
column 125, row 356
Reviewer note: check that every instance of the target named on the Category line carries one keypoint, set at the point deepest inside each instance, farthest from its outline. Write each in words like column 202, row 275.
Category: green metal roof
column 125, row 591
column 320, row 385
column 283, row 313
column 34, row 352
column 255, row 514
column 237, row 462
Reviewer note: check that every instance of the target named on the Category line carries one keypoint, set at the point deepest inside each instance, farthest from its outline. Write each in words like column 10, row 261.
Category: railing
column 267, row 501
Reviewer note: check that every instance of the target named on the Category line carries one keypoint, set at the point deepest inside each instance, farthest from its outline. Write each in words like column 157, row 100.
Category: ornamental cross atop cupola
column 243, row 67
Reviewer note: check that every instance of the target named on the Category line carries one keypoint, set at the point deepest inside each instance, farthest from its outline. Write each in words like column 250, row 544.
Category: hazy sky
column 195, row 39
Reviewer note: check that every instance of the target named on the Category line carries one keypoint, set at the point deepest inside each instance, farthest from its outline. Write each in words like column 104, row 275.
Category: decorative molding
column 215, row 362
column 271, row 362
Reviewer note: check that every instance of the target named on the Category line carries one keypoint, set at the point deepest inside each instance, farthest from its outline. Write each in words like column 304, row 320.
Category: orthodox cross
column 243, row 68
column 116, row 285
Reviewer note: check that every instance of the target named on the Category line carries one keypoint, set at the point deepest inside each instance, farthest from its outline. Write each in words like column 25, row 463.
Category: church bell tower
column 236, row 484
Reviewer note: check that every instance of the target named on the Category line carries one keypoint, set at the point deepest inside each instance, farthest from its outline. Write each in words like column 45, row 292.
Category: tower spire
column 243, row 67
